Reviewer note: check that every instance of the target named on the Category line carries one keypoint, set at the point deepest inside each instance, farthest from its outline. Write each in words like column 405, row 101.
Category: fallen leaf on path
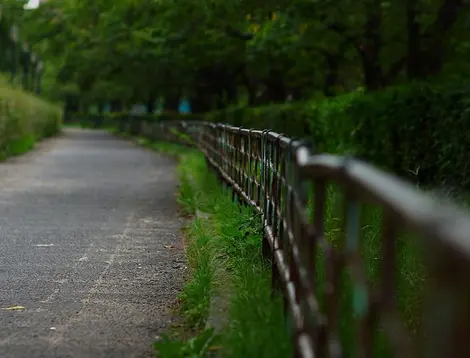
column 14, row 308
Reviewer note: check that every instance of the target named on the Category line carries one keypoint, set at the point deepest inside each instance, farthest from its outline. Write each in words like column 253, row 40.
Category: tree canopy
column 224, row 52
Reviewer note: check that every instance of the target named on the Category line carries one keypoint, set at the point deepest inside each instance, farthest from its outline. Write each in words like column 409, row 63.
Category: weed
column 195, row 347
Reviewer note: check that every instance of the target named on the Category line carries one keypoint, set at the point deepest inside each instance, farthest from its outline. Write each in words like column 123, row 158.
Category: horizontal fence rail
column 286, row 182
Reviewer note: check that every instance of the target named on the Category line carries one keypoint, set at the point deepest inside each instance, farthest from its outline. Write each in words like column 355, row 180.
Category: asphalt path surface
column 90, row 246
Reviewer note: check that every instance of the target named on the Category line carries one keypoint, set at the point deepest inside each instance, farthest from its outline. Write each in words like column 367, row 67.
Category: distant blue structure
column 140, row 109
column 185, row 106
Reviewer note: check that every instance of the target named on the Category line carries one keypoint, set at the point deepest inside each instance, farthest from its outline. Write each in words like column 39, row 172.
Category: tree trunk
column 370, row 50
column 220, row 102
column 413, row 59
column 172, row 102
column 331, row 77
column 426, row 50
column 150, row 104
column 276, row 90
column 231, row 91
column 435, row 47
column 71, row 106
column 100, row 107
column 197, row 104
column 221, row 83
column 297, row 92
column 116, row 106
column 250, row 88
column 201, row 102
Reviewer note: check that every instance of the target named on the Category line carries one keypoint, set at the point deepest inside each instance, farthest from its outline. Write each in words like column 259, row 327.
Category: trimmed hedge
column 24, row 120
column 419, row 131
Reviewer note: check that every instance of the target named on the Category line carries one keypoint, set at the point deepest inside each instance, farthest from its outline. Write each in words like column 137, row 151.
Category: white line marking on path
column 98, row 282
column 51, row 296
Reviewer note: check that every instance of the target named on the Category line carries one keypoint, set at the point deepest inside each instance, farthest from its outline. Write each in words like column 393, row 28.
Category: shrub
column 25, row 119
column 419, row 131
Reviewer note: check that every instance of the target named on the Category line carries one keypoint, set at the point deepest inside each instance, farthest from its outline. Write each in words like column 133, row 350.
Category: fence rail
column 285, row 181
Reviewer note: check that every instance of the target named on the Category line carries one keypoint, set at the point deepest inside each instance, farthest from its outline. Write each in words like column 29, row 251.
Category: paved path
column 90, row 246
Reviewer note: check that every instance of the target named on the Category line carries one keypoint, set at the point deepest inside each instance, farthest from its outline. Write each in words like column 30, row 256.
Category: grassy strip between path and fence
column 224, row 256
column 363, row 259
column 225, row 260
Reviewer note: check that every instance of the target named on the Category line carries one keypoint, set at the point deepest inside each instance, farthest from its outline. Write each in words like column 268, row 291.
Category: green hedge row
column 24, row 120
column 419, row 131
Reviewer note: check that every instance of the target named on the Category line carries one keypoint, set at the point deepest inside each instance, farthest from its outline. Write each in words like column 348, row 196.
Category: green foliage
column 12, row 9
column 224, row 256
column 25, row 119
column 196, row 347
column 222, row 52
column 419, row 131
column 197, row 293
column 225, row 249
column 410, row 271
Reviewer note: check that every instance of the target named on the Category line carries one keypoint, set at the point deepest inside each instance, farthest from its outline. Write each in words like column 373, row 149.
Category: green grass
column 197, row 292
column 175, row 151
column 21, row 145
column 238, row 236
column 409, row 270
column 224, row 256
column 224, row 250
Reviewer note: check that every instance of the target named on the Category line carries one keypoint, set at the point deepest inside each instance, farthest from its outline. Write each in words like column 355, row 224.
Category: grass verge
column 224, row 256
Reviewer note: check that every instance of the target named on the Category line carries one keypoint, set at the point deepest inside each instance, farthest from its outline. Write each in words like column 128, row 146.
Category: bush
column 25, row 119
column 419, row 131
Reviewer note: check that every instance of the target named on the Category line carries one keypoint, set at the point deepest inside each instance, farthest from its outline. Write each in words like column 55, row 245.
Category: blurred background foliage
column 384, row 80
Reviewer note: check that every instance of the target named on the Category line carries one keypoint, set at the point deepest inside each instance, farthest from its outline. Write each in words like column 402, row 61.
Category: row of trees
column 222, row 52
column 16, row 57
